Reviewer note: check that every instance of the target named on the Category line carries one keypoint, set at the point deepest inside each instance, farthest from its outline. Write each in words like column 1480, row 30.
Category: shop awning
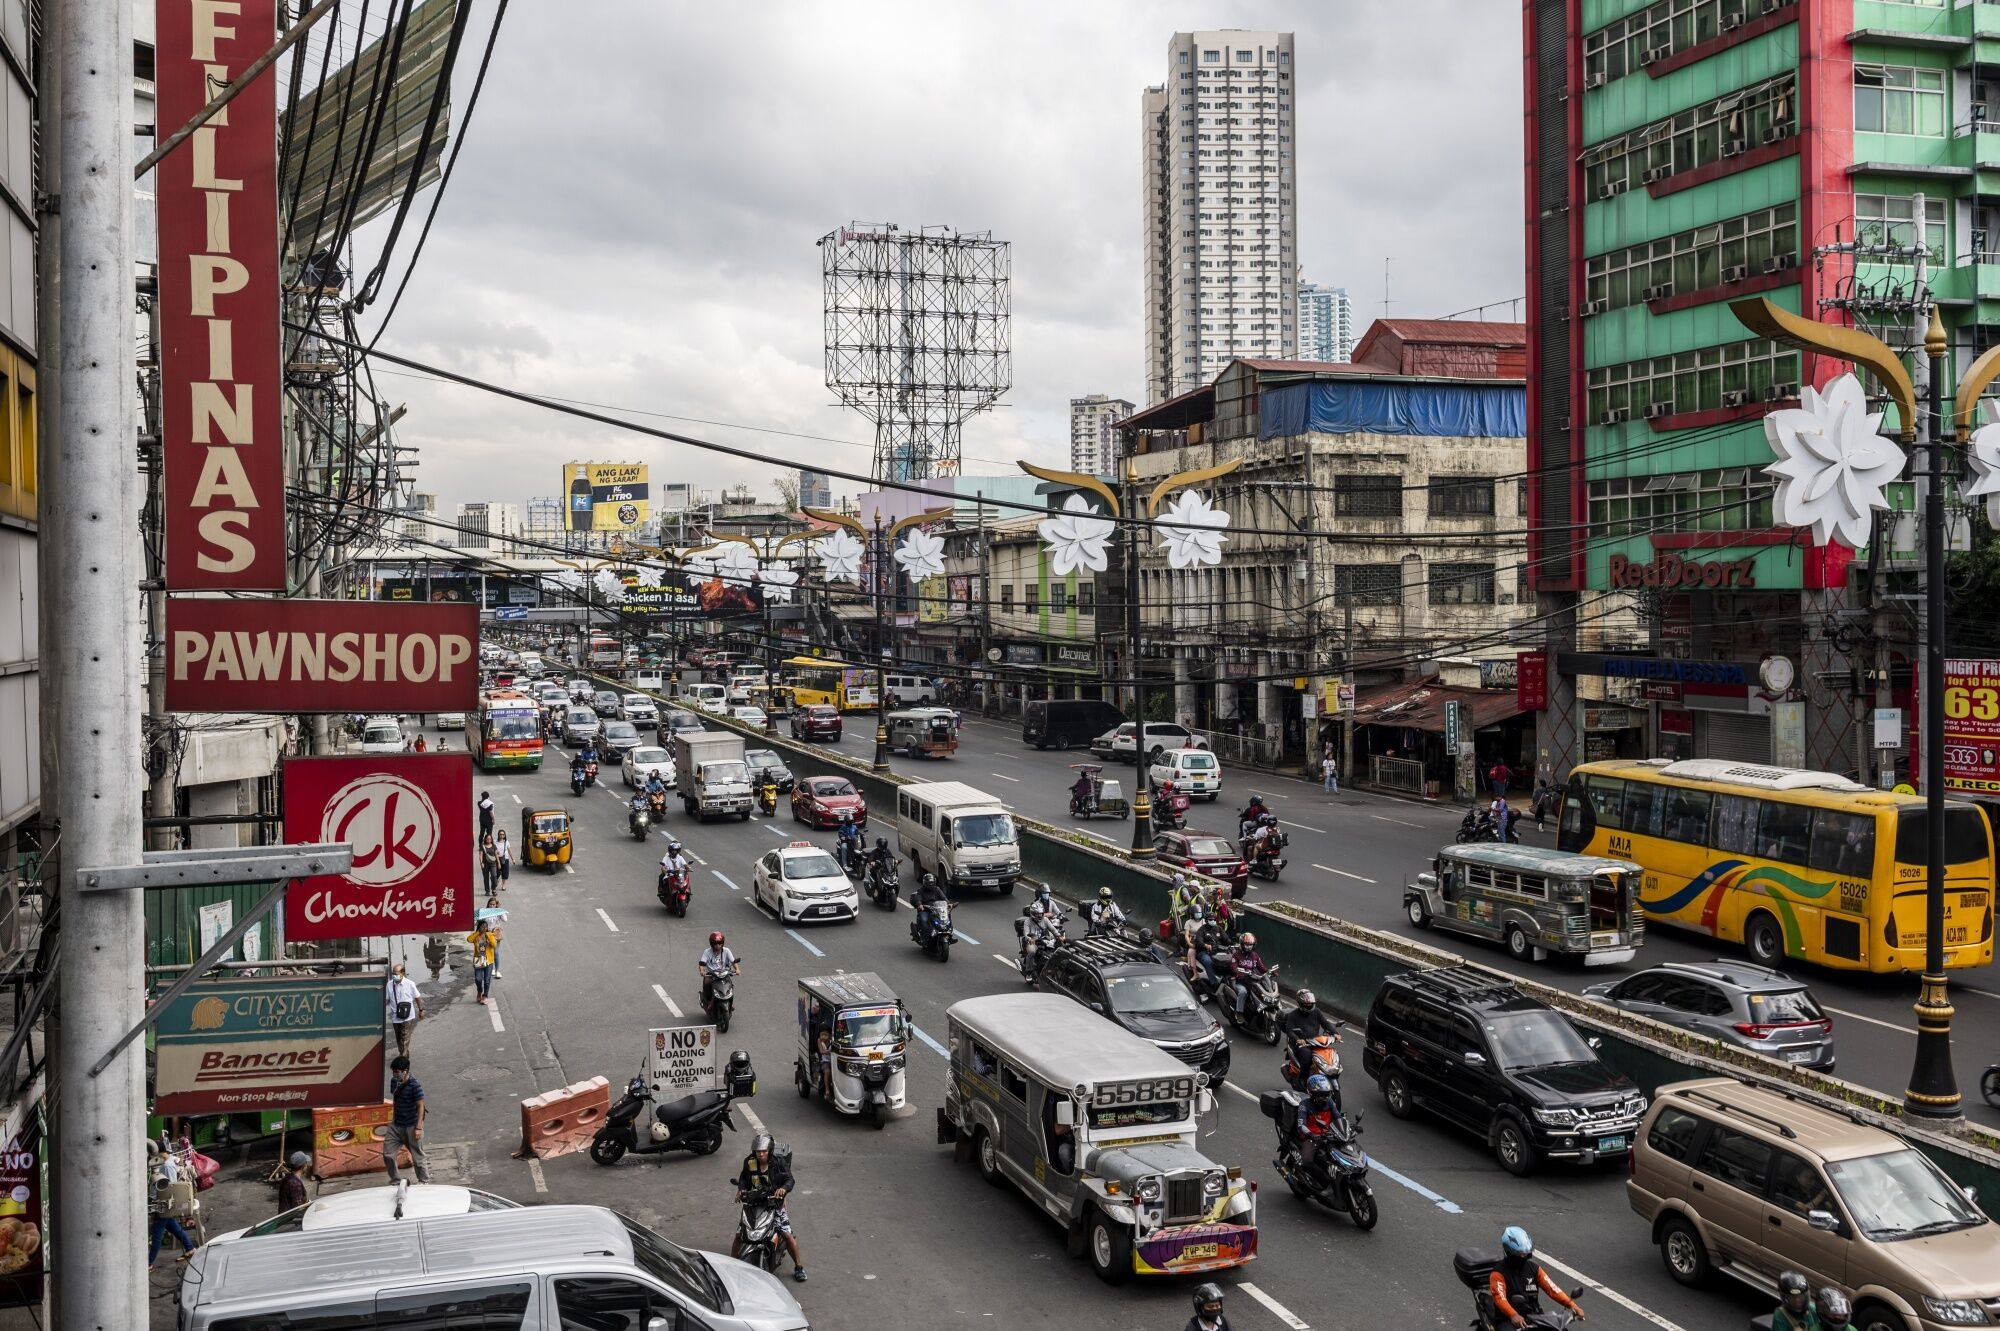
column 1421, row 706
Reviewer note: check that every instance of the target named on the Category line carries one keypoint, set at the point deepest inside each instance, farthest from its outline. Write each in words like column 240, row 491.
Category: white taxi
column 800, row 883
column 644, row 761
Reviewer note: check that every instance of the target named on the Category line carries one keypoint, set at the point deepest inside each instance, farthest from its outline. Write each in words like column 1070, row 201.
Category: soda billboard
column 409, row 819
column 273, row 1042
column 260, row 655
column 606, row 496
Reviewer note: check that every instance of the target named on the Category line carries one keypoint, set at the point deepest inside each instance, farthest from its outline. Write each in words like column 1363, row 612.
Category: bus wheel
column 1109, row 1246
column 1518, row 944
column 1764, row 940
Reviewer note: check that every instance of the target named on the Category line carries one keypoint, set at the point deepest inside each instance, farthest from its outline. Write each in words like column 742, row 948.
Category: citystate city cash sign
column 409, row 819
column 275, row 1042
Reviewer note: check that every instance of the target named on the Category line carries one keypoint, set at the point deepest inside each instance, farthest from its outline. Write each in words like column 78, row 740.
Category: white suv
column 1192, row 771
column 1160, row 736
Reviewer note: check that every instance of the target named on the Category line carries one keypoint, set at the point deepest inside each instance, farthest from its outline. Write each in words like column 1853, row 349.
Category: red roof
column 1420, row 706
column 1469, row 332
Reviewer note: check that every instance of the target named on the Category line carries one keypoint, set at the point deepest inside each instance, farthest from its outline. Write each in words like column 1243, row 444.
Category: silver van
column 538, row 1268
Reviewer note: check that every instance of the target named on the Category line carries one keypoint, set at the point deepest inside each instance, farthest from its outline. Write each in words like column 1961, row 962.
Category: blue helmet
column 1516, row 1243
column 1317, row 1085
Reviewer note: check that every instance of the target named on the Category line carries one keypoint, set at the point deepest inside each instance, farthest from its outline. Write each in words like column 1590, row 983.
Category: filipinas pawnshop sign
column 251, row 654
column 220, row 375
column 409, row 819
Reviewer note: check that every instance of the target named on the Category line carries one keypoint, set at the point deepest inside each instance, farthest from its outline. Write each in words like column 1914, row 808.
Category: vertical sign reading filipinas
column 219, row 361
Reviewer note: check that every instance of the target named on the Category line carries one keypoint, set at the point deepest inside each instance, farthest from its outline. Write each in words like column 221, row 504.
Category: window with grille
column 1461, row 584
column 1462, row 497
column 1368, row 496
column 1368, row 584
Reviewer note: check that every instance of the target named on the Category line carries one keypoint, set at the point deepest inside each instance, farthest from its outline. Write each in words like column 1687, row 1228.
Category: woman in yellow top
column 485, row 940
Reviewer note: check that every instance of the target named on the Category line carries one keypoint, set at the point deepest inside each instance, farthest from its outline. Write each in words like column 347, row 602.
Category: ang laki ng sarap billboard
column 606, row 496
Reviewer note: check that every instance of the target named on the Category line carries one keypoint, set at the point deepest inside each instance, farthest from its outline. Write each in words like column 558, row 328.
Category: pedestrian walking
column 163, row 1172
column 1500, row 774
column 503, row 855
column 1329, row 767
column 485, row 814
column 485, row 940
column 499, row 913
column 292, row 1187
column 422, row 744
column 489, row 863
column 406, row 1006
column 406, row 1122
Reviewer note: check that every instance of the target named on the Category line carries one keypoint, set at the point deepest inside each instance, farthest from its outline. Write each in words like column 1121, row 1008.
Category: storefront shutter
column 1736, row 736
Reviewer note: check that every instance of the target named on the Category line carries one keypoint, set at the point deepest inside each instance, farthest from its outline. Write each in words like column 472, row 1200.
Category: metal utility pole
column 1142, row 799
column 879, row 549
column 1347, row 693
column 986, row 671
column 93, row 569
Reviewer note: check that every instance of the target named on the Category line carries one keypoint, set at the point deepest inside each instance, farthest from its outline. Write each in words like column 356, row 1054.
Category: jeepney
column 927, row 732
column 854, row 1042
column 1533, row 901
column 1098, row 1128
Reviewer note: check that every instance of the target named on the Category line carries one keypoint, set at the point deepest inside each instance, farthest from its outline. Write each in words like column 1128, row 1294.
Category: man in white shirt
column 405, row 1005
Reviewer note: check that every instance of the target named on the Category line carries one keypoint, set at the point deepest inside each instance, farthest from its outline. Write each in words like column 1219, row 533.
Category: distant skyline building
column 1093, row 443
column 421, row 504
column 485, row 524
column 815, row 489
column 1326, row 323
column 1221, row 208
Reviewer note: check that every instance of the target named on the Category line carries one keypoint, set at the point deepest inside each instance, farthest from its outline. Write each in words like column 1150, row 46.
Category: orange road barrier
column 348, row 1140
column 559, row 1122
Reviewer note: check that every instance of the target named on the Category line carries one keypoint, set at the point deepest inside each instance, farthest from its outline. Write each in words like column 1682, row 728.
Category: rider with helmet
column 768, row 1172
column 1302, row 1025
column 1833, row 1309
column 1251, row 813
column 1103, row 915
column 1245, row 966
column 1316, row 1118
column 715, row 963
column 930, row 895
column 673, row 862
column 1518, row 1282
column 1207, row 1309
column 849, row 843
column 1795, row 1311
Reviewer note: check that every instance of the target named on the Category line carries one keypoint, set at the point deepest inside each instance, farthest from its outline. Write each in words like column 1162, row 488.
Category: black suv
column 1121, row 980
column 1482, row 1054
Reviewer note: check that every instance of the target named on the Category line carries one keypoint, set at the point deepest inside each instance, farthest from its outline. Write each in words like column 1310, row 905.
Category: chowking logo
column 209, row 1014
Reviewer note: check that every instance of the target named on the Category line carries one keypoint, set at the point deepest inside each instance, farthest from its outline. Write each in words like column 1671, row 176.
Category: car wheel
column 1062, row 743
column 1874, row 1317
column 1419, row 917
column 987, row 1153
column 1512, row 1148
column 1684, row 1253
column 1518, row 946
column 1763, row 939
column 1396, row 1093
column 1109, row 1247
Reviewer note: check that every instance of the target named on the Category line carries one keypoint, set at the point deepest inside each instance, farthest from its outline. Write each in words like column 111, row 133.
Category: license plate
column 1199, row 1252
column 1610, row 1143
column 1800, row 1055
column 822, row 910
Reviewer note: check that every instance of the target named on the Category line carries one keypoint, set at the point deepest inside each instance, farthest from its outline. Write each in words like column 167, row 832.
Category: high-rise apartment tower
column 1093, row 444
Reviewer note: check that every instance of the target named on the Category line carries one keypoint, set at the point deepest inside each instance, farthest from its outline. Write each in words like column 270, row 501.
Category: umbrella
column 488, row 913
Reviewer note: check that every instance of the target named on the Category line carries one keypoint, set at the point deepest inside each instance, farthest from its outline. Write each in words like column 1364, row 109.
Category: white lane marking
column 1004, row 777
column 514, row 797
column 773, row 828
column 800, row 939
column 1343, row 873
column 1279, row 795
column 1872, row 1021
column 725, row 879
column 1609, row 1293
column 1436, row 1199
column 1385, row 818
column 567, row 868
column 672, row 1006
column 493, row 1011
column 535, row 1173
column 1008, row 962
column 937, row 1048
column 1094, row 836
column 1968, row 989
column 607, row 920
column 1277, row 1309
column 749, row 1116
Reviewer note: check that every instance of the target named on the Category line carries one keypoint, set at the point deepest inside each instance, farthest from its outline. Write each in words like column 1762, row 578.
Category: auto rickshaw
column 545, row 837
column 854, row 1040
column 1095, row 796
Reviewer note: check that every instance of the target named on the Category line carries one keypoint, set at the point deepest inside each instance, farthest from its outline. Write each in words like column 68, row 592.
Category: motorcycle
column 931, row 930
column 577, row 780
column 1036, row 944
column 720, row 1002
column 694, row 1124
column 1478, row 825
column 1336, row 1175
column 1473, row 1266
column 1261, row 1020
column 1264, row 860
column 590, row 772
column 882, row 882
column 1317, row 1056
column 849, row 855
column 767, row 798
column 1205, row 989
column 757, row 1232
column 1170, row 809
column 639, row 822
column 1989, row 1085
column 675, row 892
column 1103, row 921
column 656, row 803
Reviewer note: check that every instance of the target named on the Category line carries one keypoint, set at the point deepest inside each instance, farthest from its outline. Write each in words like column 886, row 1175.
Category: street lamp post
column 1142, row 795
column 879, row 560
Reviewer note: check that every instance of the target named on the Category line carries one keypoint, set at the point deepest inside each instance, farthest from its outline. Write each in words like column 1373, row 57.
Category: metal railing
column 1404, row 774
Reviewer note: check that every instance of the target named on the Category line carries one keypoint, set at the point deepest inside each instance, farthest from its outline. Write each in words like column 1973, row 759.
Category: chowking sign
column 320, row 656
column 278, row 1042
column 218, row 278
column 409, row 819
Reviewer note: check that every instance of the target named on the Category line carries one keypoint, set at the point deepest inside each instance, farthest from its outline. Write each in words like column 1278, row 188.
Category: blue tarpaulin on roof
column 1465, row 411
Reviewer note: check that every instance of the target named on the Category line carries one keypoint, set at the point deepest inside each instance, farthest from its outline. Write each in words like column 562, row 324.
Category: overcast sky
column 632, row 221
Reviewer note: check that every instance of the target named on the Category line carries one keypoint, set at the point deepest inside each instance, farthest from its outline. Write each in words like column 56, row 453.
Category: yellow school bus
column 1788, row 863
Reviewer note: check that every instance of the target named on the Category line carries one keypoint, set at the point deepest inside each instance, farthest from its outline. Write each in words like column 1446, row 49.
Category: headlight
column 1556, row 1118
column 853, row 1067
column 1959, row 1312
column 1148, row 1189
column 1213, row 1182
column 1636, row 1105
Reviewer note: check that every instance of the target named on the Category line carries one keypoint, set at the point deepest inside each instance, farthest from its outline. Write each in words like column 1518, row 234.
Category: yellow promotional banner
column 606, row 496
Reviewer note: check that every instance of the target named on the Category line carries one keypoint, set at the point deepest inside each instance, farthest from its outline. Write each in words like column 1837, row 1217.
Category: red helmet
column 715, row 939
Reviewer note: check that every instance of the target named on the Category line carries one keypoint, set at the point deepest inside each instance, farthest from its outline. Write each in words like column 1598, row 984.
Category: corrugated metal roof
column 1421, row 706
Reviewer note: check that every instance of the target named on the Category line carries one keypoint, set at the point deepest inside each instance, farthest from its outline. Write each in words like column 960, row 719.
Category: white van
column 1193, row 771
column 649, row 679
column 908, row 690
column 708, row 697
column 964, row 836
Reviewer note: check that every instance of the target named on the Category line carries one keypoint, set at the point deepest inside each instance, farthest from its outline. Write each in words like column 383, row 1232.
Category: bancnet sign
column 277, row 1042
column 409, row 819
column 320, row 656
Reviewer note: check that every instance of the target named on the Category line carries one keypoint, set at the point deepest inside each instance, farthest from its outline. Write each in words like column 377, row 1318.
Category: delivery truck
column 710, row 774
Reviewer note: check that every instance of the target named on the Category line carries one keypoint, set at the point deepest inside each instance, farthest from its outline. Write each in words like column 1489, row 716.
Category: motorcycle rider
column 878, row 857
column 1251, row 813
column 1316, row 1119
column 576, row 772
column 849, row 845
column 1302, row 1025
column 1245, row 966
column 715, row 963
column 1207, row 1310
column 1833, row 1310
column 1518, row 1282
column 1079, row 793
column 1199, row 935
column 656, row 786
column 1154, row 948
column 1795, row 1311
column 673, row 862
column 766, row 1172
column 1103, row 915
column 1262, row 840
column 929, row 897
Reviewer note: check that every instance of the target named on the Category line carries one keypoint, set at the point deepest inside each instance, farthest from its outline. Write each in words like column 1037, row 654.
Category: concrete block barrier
column 559, row 1122
column 348, row 1140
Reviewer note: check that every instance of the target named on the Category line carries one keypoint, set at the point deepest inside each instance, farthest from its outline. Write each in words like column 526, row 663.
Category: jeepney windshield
column 1135, row 1116
column 869, row 1026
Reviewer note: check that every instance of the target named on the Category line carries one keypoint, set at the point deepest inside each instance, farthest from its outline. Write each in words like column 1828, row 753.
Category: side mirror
column 658, row 1324
column 1971, row 1195
column 1427, row 880
column 1475, row 1059
column 1204, row 1101
column 1066, row 1113
column 1097, row 1007
column 1824, row 1221
column 1595, row 1043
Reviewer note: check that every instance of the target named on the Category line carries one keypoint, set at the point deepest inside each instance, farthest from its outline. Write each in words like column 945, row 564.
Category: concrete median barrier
column 560, row 1122
column 348, row 1140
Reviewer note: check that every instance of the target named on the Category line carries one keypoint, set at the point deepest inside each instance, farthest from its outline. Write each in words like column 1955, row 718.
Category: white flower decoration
column 737, row 564
column 1076, row 537
column 921, row 554
column 842, row 555
column 700, row 566
column 1200, row 540
column 778, row 583
column 610, row 587
column 1984, row 455
column 1832, row 462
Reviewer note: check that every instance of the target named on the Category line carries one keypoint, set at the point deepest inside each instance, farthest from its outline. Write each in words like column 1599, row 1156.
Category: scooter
column 1337, row 1175
column 639, row 822
column 1319, row 1056
column 1036, row 944
column 931, row 930
column 1261, row 1020
column 1170, row 809
column 590, row 772
column 767, row 798
column 675, row 892
column 882, row 882
column 1478, row 825
column 1266, row 862
column 1472, row 1267
column 757, row 1232
column 577, row 780
column 694, row 1124
column 720, row 1003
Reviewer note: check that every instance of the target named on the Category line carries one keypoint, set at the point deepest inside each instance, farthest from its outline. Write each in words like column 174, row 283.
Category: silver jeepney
column 1098, row 1128
column 1533, row 901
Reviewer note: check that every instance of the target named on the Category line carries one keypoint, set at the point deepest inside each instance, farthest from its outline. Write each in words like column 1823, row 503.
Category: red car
column 827, row 801
column 1206, row 853
column 817, row 721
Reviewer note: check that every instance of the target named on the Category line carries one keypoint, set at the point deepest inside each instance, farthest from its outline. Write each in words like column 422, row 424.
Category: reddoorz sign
column 1670, row 570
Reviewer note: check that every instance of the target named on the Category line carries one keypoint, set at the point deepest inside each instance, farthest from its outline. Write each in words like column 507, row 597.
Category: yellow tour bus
column 815, row 679
column 1788, row 863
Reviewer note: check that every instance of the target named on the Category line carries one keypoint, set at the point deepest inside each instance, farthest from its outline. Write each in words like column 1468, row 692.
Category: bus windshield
column 1133, row 1116
column 512, row 725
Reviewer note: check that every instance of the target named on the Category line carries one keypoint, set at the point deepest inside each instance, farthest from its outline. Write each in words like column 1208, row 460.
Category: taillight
column 1825, row 1025
column 1753, row 1030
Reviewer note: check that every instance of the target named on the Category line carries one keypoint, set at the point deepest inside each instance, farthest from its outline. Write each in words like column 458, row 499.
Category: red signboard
column 409, row 819
column 1531, row 681
column 219, row 360
column 257, row 655
column 1972, row 726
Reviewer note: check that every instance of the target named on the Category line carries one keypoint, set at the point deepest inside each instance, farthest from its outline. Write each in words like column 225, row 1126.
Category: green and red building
column 1680, row 155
